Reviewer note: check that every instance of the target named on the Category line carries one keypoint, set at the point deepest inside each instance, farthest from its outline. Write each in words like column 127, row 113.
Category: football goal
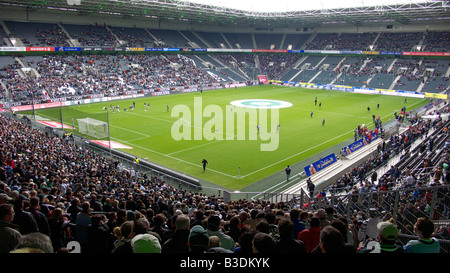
column 93, row 127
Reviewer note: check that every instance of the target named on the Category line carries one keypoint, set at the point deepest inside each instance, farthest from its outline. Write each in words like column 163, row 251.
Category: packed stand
column 274, row 65
column 59, row 194
column 103, row 74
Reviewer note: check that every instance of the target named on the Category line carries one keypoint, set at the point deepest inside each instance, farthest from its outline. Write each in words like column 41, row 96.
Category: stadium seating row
column 50, row 34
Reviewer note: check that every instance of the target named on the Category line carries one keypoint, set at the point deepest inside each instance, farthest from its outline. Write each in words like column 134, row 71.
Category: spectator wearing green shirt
column 424, row 228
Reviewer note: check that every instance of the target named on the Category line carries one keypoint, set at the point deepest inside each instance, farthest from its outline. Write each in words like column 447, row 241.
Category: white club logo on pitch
column 261, row 103
column 230, row 123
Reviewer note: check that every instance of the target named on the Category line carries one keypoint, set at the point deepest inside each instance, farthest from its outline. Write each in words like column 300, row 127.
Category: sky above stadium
column 296, row 5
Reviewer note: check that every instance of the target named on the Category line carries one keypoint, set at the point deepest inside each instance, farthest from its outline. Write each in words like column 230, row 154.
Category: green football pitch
column 235, row 162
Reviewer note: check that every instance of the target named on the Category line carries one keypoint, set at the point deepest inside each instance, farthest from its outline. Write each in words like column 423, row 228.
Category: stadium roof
column 200, row 12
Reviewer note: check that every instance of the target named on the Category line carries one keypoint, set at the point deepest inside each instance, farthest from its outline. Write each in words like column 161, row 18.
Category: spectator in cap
column 214, row 229
column 198, row 239
column 385, row 243
column 424, row 228
column 34, row 242
column 321, row 214
column 9, row 232
column 4, row 198
column 368, row 229
column 145, row 243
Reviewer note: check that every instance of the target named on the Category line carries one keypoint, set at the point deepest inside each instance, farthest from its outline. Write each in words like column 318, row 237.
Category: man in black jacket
column 178, row 242
column 288, row 172
column 286, row 242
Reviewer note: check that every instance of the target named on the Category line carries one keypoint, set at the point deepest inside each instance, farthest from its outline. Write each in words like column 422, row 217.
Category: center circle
column 261, row 103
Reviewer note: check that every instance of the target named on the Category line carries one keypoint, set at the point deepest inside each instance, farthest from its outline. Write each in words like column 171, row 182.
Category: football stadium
column 202, row 126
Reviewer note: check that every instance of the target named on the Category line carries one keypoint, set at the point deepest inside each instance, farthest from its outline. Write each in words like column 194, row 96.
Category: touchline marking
column 139, row 138
column 175, row 158
column 279, row 185
column 328, row 112
column 129, row 130
column 170, row 121
column 194, row 147
column 268, row 166
column 231, row 176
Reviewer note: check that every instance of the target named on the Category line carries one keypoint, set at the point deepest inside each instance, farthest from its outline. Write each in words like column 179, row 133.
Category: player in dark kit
column 204, row 162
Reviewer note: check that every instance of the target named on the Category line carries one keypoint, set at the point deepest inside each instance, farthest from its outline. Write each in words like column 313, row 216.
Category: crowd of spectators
column 237, row 60
column 392, row 41
column 133, row 37
column 94, row 35
column 358, row 72
column 363, row 178
column 99, row 35
column 103, row 74
column 274, row 65
column 53, row 36
column 436, row 41
column 322, row 41
column 110, row 74
column 57, row 192
column 353, row 41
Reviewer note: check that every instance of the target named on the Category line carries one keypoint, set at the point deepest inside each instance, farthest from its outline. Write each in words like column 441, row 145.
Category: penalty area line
column 175, row 158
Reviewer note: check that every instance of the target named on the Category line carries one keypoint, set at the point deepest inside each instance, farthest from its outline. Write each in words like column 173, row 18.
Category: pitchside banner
column 320, row 164
column 359, row 144
column 262, row 78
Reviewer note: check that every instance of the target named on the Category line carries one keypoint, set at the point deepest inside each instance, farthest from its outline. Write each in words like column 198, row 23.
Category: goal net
column 92, row 127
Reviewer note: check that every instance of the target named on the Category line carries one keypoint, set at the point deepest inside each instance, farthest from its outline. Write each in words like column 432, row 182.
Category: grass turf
column 300, row 136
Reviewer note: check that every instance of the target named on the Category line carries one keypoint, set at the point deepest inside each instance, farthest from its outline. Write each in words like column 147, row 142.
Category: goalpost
column 92, row 127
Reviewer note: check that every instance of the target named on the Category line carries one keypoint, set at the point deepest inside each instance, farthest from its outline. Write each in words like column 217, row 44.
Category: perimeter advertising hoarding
column 12, row 48
column 320, row 164
column 141, row 49
column 270, row 50
column 359, row 144
column 426, row 53
column 40, row 48
column 229, row 50
column 67, row 48
column 262, row 79
column 436, row 96
column 37, row 106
